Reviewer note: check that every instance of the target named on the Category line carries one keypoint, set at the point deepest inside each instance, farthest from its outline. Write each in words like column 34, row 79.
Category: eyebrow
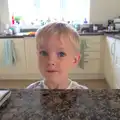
column 41, row 47
column 60, row 48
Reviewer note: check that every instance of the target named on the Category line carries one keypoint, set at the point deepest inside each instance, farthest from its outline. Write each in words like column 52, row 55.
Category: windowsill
column 30, row 26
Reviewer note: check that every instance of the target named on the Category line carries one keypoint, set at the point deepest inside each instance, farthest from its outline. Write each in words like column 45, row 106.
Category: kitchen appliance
column 93, row 28
column 117, row 23
column 84, row 28
column 111, row 25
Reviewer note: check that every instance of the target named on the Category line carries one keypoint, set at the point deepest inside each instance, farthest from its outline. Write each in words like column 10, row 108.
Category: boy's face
column 56, row 57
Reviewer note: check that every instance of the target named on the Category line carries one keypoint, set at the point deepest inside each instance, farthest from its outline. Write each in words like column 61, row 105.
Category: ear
column 76, row 59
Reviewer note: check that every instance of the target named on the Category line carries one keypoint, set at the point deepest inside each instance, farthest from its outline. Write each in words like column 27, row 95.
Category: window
column 32, row 11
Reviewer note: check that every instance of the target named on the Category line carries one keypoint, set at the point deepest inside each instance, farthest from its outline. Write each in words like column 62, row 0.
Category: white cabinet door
column 91, row 66
column 117, row 64
column 92, row 56
column 31, row 55
column 93, row 43
column 109, row 61
column 20, row 65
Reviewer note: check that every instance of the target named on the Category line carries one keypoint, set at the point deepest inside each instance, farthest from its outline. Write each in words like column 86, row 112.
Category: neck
column 57, row 85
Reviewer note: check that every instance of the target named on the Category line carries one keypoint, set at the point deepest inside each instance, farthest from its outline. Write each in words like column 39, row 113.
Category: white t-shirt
column 41, row 85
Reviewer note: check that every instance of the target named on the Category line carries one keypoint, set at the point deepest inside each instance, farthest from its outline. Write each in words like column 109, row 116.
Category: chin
column 52, row 77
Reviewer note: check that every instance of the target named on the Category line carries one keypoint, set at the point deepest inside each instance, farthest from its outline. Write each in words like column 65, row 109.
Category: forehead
column 55, row 41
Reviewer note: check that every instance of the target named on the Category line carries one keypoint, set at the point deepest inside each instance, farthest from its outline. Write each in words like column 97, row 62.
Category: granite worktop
column 62, row 105
column 115, row 36
column 15, row 36
column 25, row 35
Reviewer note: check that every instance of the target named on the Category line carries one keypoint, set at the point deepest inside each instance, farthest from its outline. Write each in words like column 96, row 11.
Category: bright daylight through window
column 38, row 12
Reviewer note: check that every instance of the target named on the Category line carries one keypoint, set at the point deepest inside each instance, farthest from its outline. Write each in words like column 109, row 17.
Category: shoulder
column 75, row 85
column 35, row 85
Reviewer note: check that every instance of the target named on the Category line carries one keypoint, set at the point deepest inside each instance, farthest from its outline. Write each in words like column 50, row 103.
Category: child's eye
column 61, row 54
column 43, row 53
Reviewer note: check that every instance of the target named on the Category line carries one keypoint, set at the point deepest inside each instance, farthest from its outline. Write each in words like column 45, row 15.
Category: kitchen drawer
column 90, row 67
column 92, row 47
column 92, row 55
column 91, row 39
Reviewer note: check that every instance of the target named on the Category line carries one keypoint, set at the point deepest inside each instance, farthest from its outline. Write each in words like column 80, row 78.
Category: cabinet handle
column 86, row 55
column 85, row 61
column 113, row 47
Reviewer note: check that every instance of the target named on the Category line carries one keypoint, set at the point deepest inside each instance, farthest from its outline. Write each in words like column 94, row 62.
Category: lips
column 51, row 71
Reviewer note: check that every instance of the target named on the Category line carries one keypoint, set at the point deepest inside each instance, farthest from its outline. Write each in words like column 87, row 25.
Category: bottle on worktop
column 16, row 28
column 85, row 21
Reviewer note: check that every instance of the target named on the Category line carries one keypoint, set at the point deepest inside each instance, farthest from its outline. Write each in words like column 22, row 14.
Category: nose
column 52, row 60
column 51, row 63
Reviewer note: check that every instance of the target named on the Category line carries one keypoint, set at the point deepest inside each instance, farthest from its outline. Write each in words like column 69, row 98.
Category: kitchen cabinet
column 93, row 59
column 109, row 61
column 31, row 56
column 26, row 66
column 93, row 43
column 20, row 66
column 117, row 63
column 91, row 67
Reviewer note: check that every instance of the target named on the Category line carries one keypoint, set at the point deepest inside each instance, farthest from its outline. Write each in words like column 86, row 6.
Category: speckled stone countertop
column 116, row 36
column 15, row 36
column 62, row 105
column 23, row 35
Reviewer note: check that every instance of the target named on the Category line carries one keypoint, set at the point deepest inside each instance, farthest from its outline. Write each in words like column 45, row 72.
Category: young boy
column 58, row 52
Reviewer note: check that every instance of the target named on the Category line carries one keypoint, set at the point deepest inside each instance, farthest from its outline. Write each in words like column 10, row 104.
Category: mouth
column 52, row 71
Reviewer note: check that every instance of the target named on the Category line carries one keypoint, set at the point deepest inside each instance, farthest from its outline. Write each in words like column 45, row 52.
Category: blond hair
column 59, row 28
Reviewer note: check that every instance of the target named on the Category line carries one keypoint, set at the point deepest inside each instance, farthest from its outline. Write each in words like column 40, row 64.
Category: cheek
column 41, row 62
column 66, row 64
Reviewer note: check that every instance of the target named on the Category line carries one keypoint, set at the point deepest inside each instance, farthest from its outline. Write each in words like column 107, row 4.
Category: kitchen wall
column 102, row 10
column 4, row 14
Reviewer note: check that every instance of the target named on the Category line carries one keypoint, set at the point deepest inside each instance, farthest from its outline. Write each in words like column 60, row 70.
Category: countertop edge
column 81, row 34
